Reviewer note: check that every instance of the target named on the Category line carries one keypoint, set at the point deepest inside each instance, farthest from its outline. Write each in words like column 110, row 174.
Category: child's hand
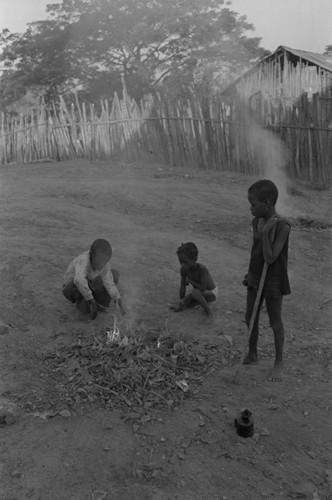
column 245, row 281
column 93, row 308
column 270, row 224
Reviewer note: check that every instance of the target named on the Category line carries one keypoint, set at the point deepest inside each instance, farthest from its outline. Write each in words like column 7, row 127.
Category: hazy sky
column 299, row 24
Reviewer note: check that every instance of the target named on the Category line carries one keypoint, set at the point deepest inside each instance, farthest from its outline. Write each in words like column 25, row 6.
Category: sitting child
column 89, row 280
column 198, row 276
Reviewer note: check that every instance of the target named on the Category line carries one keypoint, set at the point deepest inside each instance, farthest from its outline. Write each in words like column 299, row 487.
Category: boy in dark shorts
column 197, row 276
column 270, row 245
column 89, row 281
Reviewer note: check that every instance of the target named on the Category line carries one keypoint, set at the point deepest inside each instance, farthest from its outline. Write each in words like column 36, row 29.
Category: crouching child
column 90, row 282
column 201, row 286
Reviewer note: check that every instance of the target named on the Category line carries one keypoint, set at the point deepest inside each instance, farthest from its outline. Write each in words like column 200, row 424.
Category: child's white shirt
column 80, row 271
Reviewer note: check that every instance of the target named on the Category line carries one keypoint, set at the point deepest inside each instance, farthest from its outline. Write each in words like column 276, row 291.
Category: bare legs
column 100, row 294
column 273, row 306
column 196, row 297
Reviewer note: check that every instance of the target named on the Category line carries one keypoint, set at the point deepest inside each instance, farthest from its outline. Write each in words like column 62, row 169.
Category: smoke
column 271, row 156
column 130, row 285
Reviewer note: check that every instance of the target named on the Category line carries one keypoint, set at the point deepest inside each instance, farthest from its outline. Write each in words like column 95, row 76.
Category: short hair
column 101, row 246
column 265, row 190
column 189, row 249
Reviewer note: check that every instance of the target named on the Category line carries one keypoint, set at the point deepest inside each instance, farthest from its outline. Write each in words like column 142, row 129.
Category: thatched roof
column 322, row 61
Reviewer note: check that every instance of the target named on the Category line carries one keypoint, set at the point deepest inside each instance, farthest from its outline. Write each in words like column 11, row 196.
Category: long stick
column 253, row 316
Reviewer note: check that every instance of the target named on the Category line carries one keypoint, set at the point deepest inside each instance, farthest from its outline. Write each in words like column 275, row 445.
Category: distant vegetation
column 178, row 48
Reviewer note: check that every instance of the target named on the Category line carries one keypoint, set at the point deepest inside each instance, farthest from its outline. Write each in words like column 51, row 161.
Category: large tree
column 99, row 46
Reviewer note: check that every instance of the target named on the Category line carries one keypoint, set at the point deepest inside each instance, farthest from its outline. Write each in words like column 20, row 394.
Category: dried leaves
column 145, row 373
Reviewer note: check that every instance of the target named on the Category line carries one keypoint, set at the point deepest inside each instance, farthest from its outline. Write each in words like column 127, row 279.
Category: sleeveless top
column 276, row 281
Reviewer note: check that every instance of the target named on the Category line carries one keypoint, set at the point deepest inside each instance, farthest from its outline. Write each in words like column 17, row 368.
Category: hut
column 286, row 73
column 290, row 93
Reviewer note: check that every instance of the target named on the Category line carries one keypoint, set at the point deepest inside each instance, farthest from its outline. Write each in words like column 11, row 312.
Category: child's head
column 187, row 254
column 262, row 196
column 100, row 253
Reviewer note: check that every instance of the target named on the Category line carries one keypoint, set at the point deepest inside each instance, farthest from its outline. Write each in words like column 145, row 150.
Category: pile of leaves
column 140, row 373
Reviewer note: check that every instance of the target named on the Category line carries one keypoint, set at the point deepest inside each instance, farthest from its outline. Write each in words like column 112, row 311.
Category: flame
column 113, row 335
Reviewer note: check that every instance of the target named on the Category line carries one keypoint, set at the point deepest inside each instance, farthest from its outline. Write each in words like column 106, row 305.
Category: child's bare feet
column 250, row 359
column 276, row 372
column 176, row 307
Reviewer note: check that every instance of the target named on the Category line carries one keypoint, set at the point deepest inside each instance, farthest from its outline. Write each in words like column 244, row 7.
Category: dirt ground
column 53, row 450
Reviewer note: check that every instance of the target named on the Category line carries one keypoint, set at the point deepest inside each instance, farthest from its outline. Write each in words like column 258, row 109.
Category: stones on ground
column 108, row 427
column 99, row 495
column 8, row 412
column 4, row 329
column 274, row 406
column 265, row 432
column 201, row 422
column 16, row 473
column 44, row 415
column 65, row 413
column 181, row 484
column 135, row 428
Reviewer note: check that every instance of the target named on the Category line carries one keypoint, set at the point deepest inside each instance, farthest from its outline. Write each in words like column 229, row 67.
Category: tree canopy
column 328, row 50
column 102, row 46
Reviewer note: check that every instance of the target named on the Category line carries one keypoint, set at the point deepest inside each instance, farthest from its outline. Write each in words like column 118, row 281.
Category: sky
column 299, row 24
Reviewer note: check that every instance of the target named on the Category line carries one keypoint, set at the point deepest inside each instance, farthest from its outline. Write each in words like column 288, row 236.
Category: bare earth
column 52, row 212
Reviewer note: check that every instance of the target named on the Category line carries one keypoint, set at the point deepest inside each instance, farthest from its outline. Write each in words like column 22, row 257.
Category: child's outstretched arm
column 272, row 249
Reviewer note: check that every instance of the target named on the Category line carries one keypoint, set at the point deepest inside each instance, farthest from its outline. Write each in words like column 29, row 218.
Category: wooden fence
column 211, row 135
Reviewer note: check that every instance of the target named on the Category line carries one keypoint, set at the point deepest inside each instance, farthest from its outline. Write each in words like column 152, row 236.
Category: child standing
column 198, row 276
column 89, row 280
column 270, row 245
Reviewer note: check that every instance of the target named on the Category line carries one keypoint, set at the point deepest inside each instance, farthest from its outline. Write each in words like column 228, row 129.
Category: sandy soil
column 52, row 212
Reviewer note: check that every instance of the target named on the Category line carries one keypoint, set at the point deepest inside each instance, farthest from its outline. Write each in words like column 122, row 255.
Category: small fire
column 113, row 335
